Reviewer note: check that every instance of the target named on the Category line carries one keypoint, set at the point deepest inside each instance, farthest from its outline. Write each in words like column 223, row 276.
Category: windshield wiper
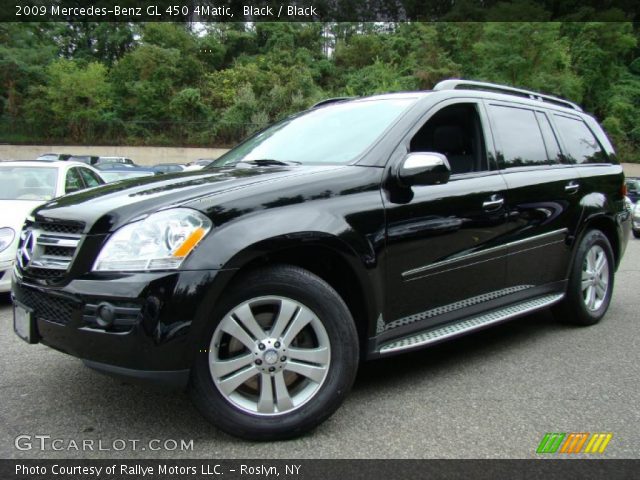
column 268, row 162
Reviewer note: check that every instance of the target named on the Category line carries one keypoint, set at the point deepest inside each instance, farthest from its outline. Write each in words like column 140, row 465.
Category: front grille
column 65, row 252
column 60, row 227
column 46, row 249
column 45, row 273
column 47, row 307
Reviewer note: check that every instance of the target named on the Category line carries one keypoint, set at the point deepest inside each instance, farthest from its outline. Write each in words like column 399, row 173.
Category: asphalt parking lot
column 489, row 395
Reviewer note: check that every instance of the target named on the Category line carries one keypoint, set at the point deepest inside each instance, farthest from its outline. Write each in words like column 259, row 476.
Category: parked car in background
column 114, row 166
column 124, row 167
column 52, row 157
column 124, row 160
column 23, row 186
column 88, row 159
column 200, row 163
column 636, row 220
column 114, row 175
column 169, row 167
column 633, row 188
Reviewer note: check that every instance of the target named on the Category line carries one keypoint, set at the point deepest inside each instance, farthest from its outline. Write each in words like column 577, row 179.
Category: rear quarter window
column 580, row 144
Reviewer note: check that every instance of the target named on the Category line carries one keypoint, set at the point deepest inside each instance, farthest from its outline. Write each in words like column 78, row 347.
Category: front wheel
column 636, row 233
column 279, row 357
column 590, row 283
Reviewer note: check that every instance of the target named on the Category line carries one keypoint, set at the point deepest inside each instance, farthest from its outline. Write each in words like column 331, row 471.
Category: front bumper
column 153, row 333
column 6, row 268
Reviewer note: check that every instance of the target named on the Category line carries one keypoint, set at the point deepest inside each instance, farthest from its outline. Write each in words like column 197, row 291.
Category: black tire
column 322, row 300
column 573, row 308
column 636, row 233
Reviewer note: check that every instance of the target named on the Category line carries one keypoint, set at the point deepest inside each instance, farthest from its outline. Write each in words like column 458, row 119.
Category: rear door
column 543, row 206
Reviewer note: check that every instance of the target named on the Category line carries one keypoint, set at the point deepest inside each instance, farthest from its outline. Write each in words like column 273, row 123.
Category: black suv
column 358, row 229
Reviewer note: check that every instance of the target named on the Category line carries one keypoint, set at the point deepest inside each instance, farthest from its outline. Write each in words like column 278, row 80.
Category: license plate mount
column 24, row 324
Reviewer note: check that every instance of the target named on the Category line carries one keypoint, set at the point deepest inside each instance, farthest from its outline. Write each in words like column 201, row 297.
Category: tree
column 533, row 55
column 95, row 41
column 77, row 96
column 25, row 50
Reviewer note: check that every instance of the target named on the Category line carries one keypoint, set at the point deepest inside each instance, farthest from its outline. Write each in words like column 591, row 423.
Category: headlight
column 6, row 237
column 159, row 242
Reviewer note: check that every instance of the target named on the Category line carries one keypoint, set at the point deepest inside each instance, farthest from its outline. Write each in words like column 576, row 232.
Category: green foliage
column 74, row 99
column 213, row 84
column 534, row 55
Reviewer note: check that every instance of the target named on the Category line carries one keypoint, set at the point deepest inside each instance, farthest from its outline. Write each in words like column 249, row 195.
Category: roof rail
column 458, row 84
column 327, row 101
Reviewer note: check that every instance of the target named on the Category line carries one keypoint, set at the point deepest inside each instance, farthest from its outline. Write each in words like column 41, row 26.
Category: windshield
column 334, row 134
column 27, row 183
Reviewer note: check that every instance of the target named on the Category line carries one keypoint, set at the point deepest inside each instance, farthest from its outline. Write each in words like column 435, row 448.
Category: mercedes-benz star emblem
column 25, row 252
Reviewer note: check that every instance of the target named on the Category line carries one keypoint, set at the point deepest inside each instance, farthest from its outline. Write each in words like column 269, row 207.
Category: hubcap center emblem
column 270, row 357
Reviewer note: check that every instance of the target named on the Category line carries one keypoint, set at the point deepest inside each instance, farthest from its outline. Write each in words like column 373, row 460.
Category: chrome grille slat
column 59, row 241
column 51, row 263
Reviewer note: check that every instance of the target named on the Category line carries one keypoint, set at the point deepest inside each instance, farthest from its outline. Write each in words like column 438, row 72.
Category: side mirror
column 427, row 168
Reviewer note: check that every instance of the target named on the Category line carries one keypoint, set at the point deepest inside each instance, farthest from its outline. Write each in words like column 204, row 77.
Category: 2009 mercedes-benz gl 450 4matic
column 357, row 229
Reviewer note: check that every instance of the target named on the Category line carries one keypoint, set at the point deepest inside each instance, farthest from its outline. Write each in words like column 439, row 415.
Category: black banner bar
column 315, row 10
column 319, row 469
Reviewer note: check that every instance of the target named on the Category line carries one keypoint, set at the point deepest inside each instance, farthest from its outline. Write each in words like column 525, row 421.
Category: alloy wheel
column 595, row 278
column 269, row 355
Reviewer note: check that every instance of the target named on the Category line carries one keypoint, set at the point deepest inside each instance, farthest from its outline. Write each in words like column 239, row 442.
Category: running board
column 470, row 324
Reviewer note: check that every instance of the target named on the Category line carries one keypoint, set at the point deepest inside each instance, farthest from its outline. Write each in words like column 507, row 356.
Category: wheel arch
column 324, row 255
column 605, row 224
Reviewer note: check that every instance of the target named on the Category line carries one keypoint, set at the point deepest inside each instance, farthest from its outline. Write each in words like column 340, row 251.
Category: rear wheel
column 636, row 233
column 279, row 357
column 590, row 283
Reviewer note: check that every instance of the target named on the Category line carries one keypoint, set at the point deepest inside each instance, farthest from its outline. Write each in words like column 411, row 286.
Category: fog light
column 105, row 314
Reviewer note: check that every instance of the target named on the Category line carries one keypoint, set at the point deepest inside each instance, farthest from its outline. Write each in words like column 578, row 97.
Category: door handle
column 572, row 187
column 494, row 203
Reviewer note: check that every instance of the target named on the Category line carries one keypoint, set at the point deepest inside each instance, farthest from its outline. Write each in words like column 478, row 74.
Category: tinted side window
column 73, row 182
column 581, row 145
column 550, row 139
column 90, row 178
column 454, row 131
column 519, row 137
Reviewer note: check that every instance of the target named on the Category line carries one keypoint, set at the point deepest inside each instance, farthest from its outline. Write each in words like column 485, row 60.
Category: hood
column 108, row 207
column 14, row 212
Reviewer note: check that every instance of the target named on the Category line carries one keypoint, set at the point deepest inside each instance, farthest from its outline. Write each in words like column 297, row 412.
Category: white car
column 23, row 186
